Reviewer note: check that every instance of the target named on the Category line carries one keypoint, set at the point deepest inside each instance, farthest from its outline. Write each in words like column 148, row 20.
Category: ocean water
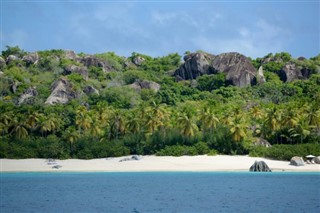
column 160, row 192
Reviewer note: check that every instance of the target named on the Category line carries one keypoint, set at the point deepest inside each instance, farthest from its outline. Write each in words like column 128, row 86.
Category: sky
column 158, row 28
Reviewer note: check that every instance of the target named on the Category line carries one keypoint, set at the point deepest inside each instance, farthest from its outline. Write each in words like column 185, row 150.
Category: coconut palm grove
column 59, row 104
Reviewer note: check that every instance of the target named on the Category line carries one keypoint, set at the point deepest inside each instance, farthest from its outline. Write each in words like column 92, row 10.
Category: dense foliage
column 182, row 118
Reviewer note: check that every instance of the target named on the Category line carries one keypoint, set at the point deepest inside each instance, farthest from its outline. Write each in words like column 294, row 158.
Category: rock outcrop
column 260, row 77
column 31, row 58
column 259, row 166
column 138, row 60
column 90, row 60
column 83, row 71
column 138, row 85
column 297, row 161
column 290, row 72
column 238, row 68
column 62, row 92
column 70, row 54
column 11, row 58
column 195, row 65
column 89, row 90
column 27, row 94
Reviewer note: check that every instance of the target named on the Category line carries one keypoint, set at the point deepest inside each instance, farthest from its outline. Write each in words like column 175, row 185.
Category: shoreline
column 201, row 163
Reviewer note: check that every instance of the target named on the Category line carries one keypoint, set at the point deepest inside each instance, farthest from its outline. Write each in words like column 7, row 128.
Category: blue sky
column 157, row 28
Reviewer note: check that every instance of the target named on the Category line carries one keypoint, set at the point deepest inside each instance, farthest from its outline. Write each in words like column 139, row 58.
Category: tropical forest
column 61, row 104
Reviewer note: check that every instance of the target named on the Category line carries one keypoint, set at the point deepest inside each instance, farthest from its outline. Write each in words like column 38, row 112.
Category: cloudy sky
column 157, row 28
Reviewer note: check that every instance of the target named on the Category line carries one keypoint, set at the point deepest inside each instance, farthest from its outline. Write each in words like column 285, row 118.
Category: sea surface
column 146, row 192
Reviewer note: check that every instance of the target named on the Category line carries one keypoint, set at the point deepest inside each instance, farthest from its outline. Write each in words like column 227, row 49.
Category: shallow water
column 160, row 192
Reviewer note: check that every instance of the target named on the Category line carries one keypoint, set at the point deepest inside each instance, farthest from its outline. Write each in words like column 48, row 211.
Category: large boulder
column 31, row 58
column 238, row 68
column 195, row 65
column 138, row 85
column 62, row 92
column 290, row 72
column 27, row 94
column 12, row 58
column 138, row 60
column 77, row 69
column 297, row 161
column 316, row 160
column 90, row 60
column 259, row 166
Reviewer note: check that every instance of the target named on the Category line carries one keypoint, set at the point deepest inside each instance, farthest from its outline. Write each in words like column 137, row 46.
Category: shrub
column 177, row 150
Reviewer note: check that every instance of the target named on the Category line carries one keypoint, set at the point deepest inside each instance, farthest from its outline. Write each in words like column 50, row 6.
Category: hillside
column 59, row 104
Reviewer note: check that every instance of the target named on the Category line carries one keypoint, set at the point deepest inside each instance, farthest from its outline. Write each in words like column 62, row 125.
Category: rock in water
column 297, row 161
column 259, row 166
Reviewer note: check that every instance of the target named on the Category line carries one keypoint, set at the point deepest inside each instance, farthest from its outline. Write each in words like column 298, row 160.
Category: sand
column 151, row 163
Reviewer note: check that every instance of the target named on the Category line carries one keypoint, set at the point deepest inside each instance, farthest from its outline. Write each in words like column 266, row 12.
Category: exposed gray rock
column 133, row 157
column 31, row 58
column 262, row 142
column 138, row 60
column 2, row 63
column 62, row 92
column 316, row 160
column 290, row 72
column 259, row 166
column 196, row 64
column 297, row 161
column 28, row 93
column 90, row 90
column 260, row 76
column 70, row 54
column 77, row 69
column 11, row 58
column 138, row 85
column 90, row 60
column 238, row 68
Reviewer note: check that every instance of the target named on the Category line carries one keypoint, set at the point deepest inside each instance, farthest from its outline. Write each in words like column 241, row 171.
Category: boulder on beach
column 259, row 166
column 297, row 161
column 316, row 160
column 133, row 157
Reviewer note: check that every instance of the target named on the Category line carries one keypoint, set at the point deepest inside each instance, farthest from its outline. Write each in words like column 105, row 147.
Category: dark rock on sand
column 259, row 166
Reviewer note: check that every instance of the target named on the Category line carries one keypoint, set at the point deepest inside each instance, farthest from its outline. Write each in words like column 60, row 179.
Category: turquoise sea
column 160, row 192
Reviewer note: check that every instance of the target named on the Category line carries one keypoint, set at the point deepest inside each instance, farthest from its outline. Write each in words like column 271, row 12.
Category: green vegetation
column 182, row 118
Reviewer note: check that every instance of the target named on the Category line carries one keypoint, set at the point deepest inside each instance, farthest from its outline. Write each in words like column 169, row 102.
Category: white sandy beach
column 151, row 163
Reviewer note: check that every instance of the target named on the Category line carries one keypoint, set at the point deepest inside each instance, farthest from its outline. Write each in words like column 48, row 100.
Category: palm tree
column 208, row 120
column 71, row 135
column 19, row 127
column 117, row 124
column 272, row 122
column 83, row 119
column 133, row 124
column 238, row 128
column 187, row 122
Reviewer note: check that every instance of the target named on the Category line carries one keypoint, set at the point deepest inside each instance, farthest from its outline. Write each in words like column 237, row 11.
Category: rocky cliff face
column 62, row 92
column 238, row 68
column 291, row 72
